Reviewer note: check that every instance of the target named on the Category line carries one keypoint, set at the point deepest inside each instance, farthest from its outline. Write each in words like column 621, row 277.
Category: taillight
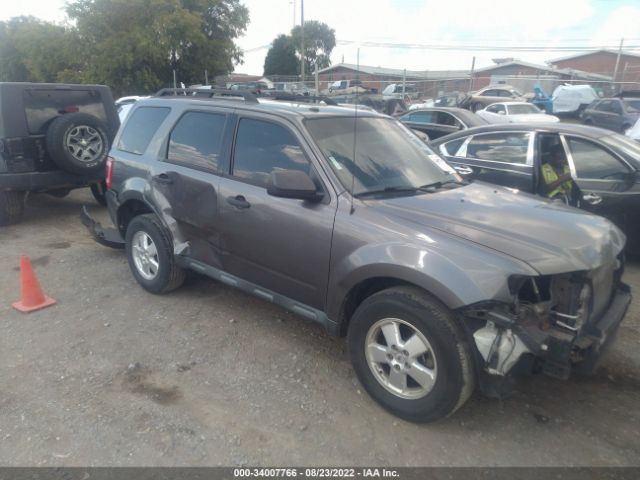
column 109, row 180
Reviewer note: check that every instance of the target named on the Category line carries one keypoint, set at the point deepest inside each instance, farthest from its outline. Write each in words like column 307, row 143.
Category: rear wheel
column 150, row 255
column 410, row 355
column 11, row 207
column 99, row 191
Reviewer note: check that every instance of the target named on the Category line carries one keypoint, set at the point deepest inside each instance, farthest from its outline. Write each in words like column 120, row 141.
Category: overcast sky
column 539, row 23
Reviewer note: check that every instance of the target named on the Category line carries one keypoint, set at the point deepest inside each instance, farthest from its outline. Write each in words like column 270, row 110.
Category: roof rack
column 206, row 93
column 296, row 98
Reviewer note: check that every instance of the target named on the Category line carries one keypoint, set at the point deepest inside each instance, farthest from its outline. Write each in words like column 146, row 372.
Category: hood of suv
column 550, row 237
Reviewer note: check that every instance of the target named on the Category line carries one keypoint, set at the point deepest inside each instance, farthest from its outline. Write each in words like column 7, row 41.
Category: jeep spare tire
column 78, row 143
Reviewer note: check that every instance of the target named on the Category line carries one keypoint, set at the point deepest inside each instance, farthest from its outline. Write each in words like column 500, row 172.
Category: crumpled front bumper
column 591, row 343
column 109, row 237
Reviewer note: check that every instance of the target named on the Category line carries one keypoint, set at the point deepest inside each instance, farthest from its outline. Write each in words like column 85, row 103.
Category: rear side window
column 500, row 147
column 262, row 147
column 140, row 128
column 43, row 105
column 196, row 140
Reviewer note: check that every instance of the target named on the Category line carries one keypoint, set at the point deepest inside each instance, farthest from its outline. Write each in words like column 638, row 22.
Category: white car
column 515, row 112
column 634, row 132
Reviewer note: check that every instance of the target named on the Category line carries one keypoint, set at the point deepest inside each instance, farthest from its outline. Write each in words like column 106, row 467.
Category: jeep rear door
column 280, row 244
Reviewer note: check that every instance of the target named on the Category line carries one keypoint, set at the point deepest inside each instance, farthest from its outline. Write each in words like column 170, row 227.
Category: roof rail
column 292, row 97
column 206, row 93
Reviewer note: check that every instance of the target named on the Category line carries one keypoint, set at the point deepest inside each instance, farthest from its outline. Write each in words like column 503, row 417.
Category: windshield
column 633, row 104
column 388, row 156
column 621, row 143
column 516, row 93
column 523, row 109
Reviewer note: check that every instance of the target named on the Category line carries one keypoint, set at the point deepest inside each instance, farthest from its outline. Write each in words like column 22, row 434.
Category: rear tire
column 150, row 255
column 99, row 190
column 436, row 383
column 11, row 207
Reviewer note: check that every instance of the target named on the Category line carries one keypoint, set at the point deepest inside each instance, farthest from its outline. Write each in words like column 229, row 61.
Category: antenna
column 355, row 132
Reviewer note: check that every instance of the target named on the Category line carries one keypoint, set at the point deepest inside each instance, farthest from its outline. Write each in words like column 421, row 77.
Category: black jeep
column 53, row 138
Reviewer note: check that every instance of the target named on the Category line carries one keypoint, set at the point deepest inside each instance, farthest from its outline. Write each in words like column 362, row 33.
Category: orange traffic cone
column 32, row 296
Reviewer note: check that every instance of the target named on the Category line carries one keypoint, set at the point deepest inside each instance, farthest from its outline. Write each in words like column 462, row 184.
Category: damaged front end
column 554, row 324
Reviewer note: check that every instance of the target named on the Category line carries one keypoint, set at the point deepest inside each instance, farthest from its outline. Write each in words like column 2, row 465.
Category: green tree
column 126, row 44
column 319, row 41
column 281, row 58
column 33, row 50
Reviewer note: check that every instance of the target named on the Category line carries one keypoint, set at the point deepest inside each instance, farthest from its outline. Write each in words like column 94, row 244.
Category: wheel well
column 360, row 292
column 128, row 211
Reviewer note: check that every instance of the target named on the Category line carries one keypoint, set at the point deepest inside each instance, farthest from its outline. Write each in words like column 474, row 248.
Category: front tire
column 410, row 355
column 150, row 255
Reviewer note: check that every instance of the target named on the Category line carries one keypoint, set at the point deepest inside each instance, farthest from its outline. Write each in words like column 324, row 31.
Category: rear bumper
column 45, row 180
column 109, row 237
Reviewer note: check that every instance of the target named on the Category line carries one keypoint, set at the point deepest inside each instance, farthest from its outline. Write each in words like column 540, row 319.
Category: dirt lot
column 113, row 375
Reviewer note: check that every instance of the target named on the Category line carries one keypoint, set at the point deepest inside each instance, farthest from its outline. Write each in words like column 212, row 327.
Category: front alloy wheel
column 401, row 358
column 410, row 354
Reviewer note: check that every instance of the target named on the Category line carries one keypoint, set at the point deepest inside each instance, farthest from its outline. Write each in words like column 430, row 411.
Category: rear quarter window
column 140, row 128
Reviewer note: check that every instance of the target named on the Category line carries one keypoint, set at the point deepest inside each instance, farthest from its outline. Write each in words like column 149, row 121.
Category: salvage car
column 571, row 100
column 515, row 112
column 53, row 138
column 484, row 97
column 617, row 114
column 438, row 122
column 354, row 223
column 603, row 164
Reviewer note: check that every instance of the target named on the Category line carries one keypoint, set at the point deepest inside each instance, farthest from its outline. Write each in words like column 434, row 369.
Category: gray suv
column 349, row 220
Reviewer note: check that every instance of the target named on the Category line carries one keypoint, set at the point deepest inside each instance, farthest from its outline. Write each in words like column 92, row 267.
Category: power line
column 484, row 47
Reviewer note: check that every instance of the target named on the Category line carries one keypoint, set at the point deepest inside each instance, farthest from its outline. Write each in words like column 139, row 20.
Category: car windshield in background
column 388, row 157
column 632, row 104
column 620, row 142
column 516, row 93
column 523, row 109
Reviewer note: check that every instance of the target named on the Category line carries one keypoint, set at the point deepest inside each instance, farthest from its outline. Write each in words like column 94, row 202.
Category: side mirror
column 292, row 184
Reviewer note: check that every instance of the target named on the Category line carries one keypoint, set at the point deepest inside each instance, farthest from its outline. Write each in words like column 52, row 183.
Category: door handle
column 163, row 178
column 592, row 198
column 464, row 170
column 238, row 201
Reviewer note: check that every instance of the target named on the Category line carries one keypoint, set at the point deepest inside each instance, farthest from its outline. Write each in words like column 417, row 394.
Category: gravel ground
column 114, row 376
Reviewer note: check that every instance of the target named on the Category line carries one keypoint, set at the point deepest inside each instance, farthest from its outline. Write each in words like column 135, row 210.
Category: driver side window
column 262, row 147
column 593, row 162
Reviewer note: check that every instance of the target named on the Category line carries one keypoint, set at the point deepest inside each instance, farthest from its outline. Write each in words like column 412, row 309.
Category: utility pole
column 294, row 13
column 302, row 56
column 615, row 70
column 473, row 67
column 404, row 82
column 206, row 77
